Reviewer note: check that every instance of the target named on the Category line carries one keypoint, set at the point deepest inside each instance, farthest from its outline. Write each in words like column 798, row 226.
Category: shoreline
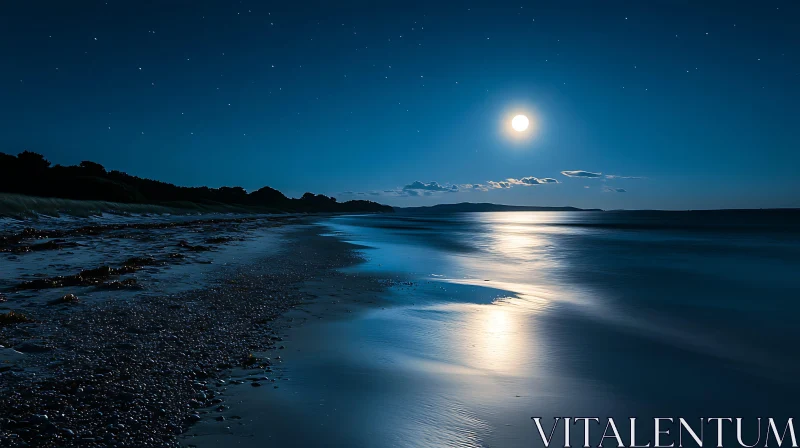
column 337, row 298
column 143, row 371
column 356, row 331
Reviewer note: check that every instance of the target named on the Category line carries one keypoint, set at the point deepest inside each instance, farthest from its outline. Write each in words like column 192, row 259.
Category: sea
column 496, row 318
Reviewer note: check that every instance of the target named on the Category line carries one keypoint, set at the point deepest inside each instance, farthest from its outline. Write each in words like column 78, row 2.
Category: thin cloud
column 593, row 175
column 581, row 173
column 532, row 181
column 473, row 187
column 523, row 181
column 616, row 176
column 400, row 192
column 361, row 193
column 498, row 185
column 418, row 188
column 430, row 186
column 614, row 190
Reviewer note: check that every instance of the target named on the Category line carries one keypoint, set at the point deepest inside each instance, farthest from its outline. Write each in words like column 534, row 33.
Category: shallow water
column 522, row 314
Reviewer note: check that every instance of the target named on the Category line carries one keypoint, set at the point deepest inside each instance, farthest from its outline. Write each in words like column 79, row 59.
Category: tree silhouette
column 93, row 169
column 32, row 162
column 30, row 173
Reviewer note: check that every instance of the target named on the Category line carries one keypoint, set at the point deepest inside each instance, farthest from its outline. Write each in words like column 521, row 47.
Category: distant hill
column 484, row 207
column 30, row 174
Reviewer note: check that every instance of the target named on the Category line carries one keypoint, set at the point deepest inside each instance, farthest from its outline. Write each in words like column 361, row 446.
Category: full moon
column 519, row 123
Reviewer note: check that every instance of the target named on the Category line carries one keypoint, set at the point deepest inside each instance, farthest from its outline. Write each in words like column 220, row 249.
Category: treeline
column 31, row 174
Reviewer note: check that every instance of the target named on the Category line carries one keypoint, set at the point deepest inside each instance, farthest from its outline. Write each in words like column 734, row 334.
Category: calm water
column 521, row 314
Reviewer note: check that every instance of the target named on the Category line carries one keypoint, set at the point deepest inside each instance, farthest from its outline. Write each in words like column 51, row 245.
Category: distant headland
column 31, row 174
column 485, row 207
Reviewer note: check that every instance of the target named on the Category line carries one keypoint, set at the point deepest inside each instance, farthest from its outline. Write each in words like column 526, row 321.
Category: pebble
column 144, row 361
column 193, row 418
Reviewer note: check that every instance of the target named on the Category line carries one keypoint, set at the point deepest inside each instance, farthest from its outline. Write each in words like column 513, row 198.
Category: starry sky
column 636, row 104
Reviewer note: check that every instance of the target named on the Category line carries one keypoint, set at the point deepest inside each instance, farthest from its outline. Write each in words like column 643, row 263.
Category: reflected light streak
column 496, row 339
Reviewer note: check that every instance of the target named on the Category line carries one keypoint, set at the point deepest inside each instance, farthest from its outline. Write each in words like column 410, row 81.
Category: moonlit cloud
column 473, row 187
column 532, row 181
column 400, row 192
column 360, row 193
column 581, row 173
column 524, row 181
column 418, row 188
column 592, row 175
column 498, row 185
column 431, row 186
column 616, row 176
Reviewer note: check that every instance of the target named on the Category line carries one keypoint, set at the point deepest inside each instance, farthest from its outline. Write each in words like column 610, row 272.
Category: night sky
column 638, row 104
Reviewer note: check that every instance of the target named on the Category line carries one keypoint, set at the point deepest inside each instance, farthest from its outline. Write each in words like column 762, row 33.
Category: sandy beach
column 139, row 365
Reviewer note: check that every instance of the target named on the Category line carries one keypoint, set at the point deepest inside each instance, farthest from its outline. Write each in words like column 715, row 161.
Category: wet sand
column 149, row 367
column 270, row 414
